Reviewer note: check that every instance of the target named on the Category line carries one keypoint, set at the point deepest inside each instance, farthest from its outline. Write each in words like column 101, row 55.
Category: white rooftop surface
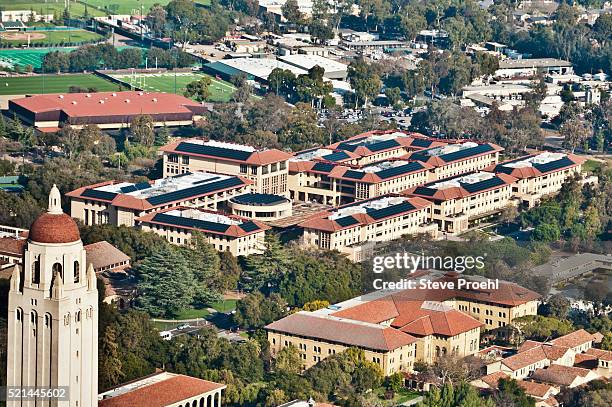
column 362, row 208
column 309, row 155
column 497, row 87
column 260, row 67
column 221, row 144
column 204, row 216
column 534, row 62
column 384, row 165
column 542, row 158
column 128, row 387
column 375, row 138
column 166, row 185
column 466, row 179
column 309, row 61
column 451, row 148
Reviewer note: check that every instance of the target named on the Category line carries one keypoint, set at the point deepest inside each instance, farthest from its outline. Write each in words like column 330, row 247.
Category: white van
column 166, row 335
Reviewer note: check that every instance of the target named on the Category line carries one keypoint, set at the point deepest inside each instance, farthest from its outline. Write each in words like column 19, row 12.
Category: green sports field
column 50, row 7
column 42, row 38
column 129, row 6
column 221, row 91
column 53, row 84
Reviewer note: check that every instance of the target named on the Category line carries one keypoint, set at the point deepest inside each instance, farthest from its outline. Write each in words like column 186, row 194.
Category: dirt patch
column 22, row 36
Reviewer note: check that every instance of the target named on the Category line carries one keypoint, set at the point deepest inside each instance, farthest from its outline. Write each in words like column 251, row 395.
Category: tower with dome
column 53, row 313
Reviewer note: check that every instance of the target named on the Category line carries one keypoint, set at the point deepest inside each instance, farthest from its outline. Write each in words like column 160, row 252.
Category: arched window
column 437, row 351
column 194, row 404
column 48, row 320
column 77, row 271
column 444, row 351
column 77, row 316
column 19, row 314
column 36, row 271
column 201, row 401
column 57, row 268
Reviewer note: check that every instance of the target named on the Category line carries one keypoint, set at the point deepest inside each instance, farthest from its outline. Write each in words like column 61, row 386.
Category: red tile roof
column 54, row 228
column 109, row 103
column 539, row 390
column 533, row 355
column 532, row 172
column 573, row 339
column 344, row 331
column 558, row 374
column 103, row 254
column 163, row 393
column 493, row 379
column 600, row 354
column 11, row 246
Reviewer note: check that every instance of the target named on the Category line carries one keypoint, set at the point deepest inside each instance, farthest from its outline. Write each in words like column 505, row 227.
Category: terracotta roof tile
column 103, row 254
column 163, row 393
column 573, row 339
column 558, row 374
column 344, row 331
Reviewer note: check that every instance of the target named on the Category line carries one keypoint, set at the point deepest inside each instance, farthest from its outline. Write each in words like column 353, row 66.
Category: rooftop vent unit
column 101, row 101
column 88, row 95
column 114, row 94
column 61, row 96
column 127, row 100
column 154, row 99
column 74, row 102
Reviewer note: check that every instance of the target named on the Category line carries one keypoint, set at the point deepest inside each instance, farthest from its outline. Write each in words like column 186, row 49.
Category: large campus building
column 440, row 322
column 462, row 200
column 107, row 110
column 348, row 228
column 267, row 168
column 120, row 203
column 335, row 185
column 539, row 175
column 455, row 159
column 239, row 236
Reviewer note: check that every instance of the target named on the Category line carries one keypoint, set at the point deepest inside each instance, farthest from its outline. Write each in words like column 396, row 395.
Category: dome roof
column 54, row 228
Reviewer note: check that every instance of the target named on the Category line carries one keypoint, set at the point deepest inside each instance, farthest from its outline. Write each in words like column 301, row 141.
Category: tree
column 557, row 306
column 110, row 373
column 229, row 272
column 510, row 394
column 162, row 136
column 540, row 328
column 394, row 97
column 291, row 12
column 156, row 19
column 256, row 311
column 546, row 233
column 199, row 89
column 142, row 130
column 288, row 360
column 364, row 80
column 165, row 283
column 203, row 261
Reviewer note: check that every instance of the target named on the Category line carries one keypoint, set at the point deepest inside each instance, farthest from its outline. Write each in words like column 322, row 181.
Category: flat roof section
column 257, row 199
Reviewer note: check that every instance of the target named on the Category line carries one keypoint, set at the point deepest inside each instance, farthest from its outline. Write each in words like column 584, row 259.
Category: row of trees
column 309, row 88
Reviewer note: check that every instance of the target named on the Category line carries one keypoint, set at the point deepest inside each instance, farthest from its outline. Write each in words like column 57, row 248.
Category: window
column 185, row 160
column 243, row 168
column 36, row 271
column 173, row 158
column 77, row 272
column 57, row 269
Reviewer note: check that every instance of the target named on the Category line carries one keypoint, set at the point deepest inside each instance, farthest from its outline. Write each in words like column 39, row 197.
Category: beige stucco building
column 317, row 336
column 539, row 175
column 120, row 203
column 53, row 313
column 335, row 185
column 381, row 219
column 267, row 169
column 239, row 236
column 463, row 200
column 456, row 159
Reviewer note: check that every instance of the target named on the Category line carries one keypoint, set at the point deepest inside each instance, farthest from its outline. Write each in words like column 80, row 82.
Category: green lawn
column 72, row 37
column 49, row 7
column 400, row 397
column 224, row 305
column 221, row 91
column 591, row 165
column 192, row 313
column 128, row 6
column 53, row 84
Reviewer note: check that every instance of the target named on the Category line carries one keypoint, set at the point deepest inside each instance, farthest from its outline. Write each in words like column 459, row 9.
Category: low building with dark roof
column 350, row 227
column 120, row 203
column 539, row 175
column 240, row 236
column 267, row 168
column 564, row 376
column 108, row 110
column 103, row 256
column 263, row 207
column 164, row 389
column 334, row 185
column 527, row 67
column 463, row 200
column 456, row 159
column 12, row 245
